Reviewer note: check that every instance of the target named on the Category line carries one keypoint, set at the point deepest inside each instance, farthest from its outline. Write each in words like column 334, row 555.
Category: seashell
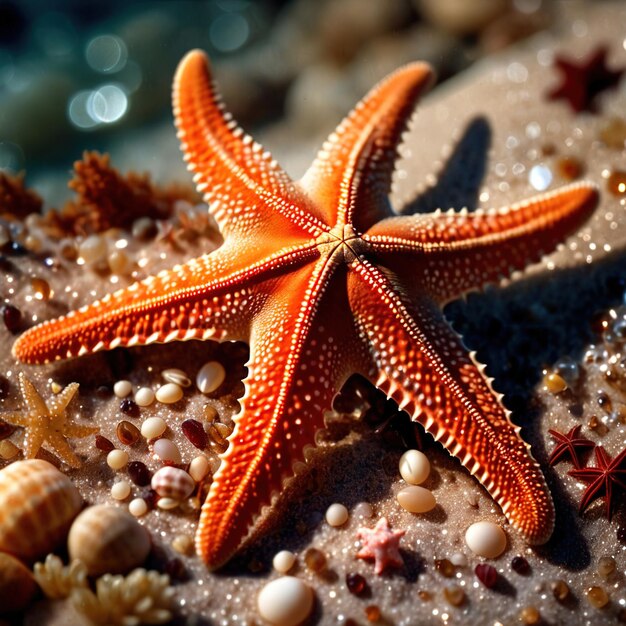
column 171, row 482
column 37, row 506
column 108, row 539
column 17, row 584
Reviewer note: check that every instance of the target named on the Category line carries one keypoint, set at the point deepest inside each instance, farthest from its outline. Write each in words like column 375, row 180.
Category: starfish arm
column 58, row 403
column 211, row 297
column 72, row 429
column 16, row 418
column 34, row 437
column 33, row 400
column 461, row 251
column 425, row 368
column 351, row 176
column 297, row 365
column 247, row 191
column 62, row 449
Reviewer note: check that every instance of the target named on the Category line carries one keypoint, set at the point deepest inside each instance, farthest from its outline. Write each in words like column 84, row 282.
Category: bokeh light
column 106, row 54
column 229, row 32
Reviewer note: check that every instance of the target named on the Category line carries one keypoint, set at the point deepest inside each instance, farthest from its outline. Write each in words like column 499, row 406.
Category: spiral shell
column 37, row 506
column 172, row 482
column 108, row 540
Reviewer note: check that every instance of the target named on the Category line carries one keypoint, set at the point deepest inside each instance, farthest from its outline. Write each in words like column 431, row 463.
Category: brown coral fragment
column 17, row 201
column 107, row 199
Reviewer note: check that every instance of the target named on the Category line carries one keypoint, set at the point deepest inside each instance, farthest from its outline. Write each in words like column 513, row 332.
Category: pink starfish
column 381, row 544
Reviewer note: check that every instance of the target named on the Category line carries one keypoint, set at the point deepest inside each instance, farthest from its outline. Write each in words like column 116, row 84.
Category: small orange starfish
column 324, row 279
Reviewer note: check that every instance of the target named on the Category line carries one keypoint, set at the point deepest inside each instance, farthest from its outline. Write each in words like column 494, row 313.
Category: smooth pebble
column 414, row 467
column 137, row 507
column 167, row 503
column 92, row 249
column 144, row 396
column 336, row 514
column 283, row 561
column 153, row 427
column 286, row 601
column 117, row 459
column 167, row 450
column 199, row 468
column 169, row 393
column 122, row 388
column 416, row 499
column 363, row 510
column 120, row 490
column 486, row 539
column 210, row 376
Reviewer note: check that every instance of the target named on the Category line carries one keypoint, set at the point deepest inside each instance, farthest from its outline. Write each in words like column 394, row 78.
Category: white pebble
column 137, row 507
column 153, row 427
column 173, row 375
column 486, row 539
column 458, row 559
column 120, row 490
column 117, row 459
column 122, row 388
column 414, row 467
column 144, row 396
column 199, row 468
column 169, row 393
column 286, row 601
column 416, row 499
column 210, row 376
column 336, row 514
column 283, row 561
column 167, row 450
column 167, row 503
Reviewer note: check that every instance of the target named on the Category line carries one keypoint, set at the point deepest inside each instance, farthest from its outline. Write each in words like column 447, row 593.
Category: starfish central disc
column 342, row 243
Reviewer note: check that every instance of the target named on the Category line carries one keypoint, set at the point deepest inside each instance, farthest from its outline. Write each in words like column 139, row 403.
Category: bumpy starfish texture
column 607, row 475
column 324, row 279
column 46, row 423
column 381, row 544
column 569, row 444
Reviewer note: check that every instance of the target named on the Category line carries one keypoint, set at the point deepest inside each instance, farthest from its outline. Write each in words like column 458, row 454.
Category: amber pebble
column 17, row 585
column 41, row 288
column 8, row 449
column 554, row 383
column 104, row 444
column 613, row 134
column 444, row 567
column 127, row 433
column 520, row 565
column 194, row 431
column 424, row 595
column 597, row 597
column 315, row 560
column 606, row 566
column 530, row 615
column 5, row 430
column 596, row 425
column 372, row 612
column 616, row 182
column 560, row 590
column 356, row 583
column 487, row 575
column 569, row 168
column 129, row 407
column 139, row 473
column 12, row 317
column 454, row 595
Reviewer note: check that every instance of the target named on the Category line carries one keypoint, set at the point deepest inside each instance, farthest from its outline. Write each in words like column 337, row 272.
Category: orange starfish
column 324, row 279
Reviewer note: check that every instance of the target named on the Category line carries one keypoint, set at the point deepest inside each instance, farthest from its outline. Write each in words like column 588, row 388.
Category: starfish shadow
column 459, row 181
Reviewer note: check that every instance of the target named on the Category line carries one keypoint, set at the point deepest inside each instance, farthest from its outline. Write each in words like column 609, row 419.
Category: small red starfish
column 381, row 544
column 583, row 81
column 569, row 443
column 602, row 478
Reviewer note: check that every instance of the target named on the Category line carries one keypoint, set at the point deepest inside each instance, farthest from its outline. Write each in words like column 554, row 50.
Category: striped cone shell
column 37, row 506
column 172, row 482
